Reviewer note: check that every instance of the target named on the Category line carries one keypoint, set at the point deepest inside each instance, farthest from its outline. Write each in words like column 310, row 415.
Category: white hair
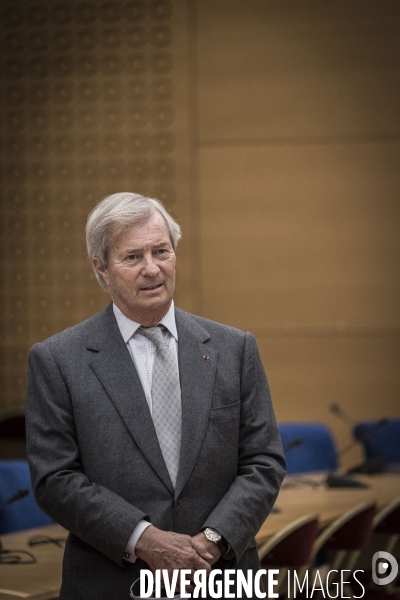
column 115, row 213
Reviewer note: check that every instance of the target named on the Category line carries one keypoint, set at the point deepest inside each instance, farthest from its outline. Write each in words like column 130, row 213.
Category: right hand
column 169, row 550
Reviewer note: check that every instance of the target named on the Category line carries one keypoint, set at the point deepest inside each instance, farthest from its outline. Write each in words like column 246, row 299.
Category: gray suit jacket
column 96, row 464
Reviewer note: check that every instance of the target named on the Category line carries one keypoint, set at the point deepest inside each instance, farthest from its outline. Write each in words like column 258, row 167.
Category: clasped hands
column 169, row 550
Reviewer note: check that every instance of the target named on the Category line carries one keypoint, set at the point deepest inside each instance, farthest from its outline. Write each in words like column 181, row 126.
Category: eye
column 162, row 252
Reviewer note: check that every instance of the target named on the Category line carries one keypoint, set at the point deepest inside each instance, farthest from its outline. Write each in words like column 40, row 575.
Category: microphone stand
column 371, row 466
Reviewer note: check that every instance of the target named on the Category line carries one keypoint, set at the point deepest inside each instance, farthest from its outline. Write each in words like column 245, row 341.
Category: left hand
column 201, row 544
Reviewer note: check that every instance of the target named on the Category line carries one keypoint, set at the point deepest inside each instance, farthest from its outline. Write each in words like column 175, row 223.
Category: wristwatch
column 214, row 536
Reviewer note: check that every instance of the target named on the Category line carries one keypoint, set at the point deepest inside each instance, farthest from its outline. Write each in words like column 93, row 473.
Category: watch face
column 212, row 535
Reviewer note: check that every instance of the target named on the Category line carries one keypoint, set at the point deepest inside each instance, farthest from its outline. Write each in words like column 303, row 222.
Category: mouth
column 151, row 287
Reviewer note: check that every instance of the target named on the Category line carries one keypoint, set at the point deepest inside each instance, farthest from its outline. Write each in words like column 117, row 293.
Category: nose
column 150, row 267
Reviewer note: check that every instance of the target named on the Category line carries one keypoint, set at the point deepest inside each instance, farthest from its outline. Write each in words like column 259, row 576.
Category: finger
column 201, row 549
column 205, row 554
column 202, row 564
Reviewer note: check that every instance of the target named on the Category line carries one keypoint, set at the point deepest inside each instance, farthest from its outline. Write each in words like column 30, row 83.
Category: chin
column 157, row 303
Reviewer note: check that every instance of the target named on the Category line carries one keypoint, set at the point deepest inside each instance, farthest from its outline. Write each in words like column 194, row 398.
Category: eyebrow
column 155, row 247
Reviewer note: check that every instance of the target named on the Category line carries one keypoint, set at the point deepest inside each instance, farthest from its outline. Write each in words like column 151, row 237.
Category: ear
column 101, row 269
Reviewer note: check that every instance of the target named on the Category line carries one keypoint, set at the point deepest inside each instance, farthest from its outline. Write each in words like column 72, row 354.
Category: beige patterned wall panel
column 93, row 102
column 270, row 69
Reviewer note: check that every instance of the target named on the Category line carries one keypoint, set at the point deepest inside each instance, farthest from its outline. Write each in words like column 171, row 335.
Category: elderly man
column 151, row 435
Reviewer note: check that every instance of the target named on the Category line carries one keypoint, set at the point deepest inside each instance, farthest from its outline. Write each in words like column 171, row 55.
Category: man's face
column 141, row 270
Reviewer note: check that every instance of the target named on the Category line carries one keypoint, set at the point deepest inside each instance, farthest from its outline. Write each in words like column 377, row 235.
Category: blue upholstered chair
column 24, row 513
column 308, row 447
column 381, row 439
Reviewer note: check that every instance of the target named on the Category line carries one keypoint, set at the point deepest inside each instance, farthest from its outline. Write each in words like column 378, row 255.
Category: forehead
column 151, row 231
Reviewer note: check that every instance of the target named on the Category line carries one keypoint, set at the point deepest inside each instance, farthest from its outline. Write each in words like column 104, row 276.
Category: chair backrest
column 381, row 439
column 350, row 531
column 387, row 520
column 24, row 513
column 13, row 426
column 308, row 447
column 292, row 545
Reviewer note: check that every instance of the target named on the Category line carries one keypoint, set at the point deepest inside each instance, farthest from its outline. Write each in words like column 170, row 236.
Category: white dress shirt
column 142, row 351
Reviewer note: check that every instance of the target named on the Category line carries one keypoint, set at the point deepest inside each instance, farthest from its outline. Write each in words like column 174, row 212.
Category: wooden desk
column 328, row 503
column 42, row 580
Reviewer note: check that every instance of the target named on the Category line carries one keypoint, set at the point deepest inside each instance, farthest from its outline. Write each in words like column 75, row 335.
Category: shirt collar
column 128, row 327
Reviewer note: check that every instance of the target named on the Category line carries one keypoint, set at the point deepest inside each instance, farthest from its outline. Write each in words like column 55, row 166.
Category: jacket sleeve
column 261, row 463
column 90, row 511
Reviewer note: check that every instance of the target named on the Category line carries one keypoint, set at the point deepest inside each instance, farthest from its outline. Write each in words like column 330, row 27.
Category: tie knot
column 155, row 334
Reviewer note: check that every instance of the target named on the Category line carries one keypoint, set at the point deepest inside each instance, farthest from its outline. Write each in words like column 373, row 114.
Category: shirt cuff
column 129, row 553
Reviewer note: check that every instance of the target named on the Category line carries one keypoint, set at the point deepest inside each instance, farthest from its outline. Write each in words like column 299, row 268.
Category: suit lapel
column 113, row 366
column 197, row 374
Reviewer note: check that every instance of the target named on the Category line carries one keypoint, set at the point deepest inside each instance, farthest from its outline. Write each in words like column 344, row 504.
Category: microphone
column 336, row 410
column 370, row 466
column 23, row 493
column 339, row 412
column 293, row 444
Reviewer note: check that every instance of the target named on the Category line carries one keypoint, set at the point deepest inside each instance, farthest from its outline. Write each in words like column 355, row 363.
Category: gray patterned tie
column 166, row 400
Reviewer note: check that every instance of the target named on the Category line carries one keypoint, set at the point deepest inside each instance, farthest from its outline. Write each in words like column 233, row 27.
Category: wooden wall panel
column 299, row 147
column 273, row 69
column 302, row 236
